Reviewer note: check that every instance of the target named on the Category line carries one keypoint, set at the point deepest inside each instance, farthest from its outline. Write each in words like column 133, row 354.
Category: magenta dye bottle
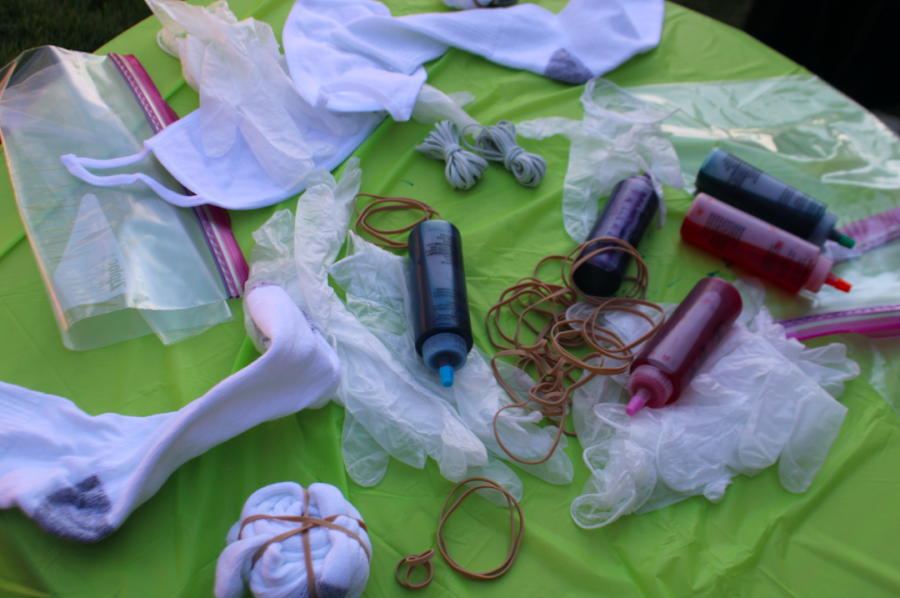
column 671, row 358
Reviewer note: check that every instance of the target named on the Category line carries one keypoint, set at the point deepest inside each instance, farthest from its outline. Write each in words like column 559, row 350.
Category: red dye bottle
column 672, row 357
column 775, row 254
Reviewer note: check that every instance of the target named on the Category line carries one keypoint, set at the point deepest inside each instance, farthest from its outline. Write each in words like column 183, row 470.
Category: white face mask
column 236, row 180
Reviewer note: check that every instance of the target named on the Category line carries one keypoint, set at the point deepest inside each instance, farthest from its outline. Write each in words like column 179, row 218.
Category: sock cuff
column 19, row 406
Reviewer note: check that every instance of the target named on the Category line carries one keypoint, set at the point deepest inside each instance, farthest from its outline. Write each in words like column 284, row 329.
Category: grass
column 82, row 25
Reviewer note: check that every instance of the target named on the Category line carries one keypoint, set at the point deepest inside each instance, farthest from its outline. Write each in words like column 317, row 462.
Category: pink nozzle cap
column 637, row 402
column 648, row 387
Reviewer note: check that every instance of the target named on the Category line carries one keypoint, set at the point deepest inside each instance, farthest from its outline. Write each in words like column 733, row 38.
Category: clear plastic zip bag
column 118, row 263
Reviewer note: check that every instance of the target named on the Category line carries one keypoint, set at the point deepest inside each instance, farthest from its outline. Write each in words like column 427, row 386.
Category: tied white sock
column 340, row 554
column 80, row 476
column 353, row 56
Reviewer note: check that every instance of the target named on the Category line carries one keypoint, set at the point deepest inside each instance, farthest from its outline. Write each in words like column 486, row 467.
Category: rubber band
column 384, row 203
column 424, row 559
column 556, row 335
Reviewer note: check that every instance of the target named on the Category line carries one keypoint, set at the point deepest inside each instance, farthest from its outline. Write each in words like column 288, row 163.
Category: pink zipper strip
column 879, row 321
column 214, row 221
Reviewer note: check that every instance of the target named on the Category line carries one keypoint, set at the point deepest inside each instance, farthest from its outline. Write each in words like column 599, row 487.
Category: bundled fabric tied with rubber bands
column 293, row 541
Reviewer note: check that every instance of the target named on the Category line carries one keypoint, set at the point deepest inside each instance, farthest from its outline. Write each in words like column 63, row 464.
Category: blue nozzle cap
column 444, row 353
column 447, row 376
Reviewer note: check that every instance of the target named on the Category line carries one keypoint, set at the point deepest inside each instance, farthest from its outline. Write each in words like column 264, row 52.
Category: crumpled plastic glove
column 242, row 78
column 376, row 283
column 395, row 406
column 619, row 137
column 760, row 398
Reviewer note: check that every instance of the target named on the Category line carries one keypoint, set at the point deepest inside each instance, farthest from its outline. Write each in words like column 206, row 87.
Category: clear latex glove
column 395, row 406
column 620, row 136
column 376, row 283
column 243, row 82
column 758, row 399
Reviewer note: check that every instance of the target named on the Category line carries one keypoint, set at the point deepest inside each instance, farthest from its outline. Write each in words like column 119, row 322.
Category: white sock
column 352, row 56
column 80, row 476
column 340, row 562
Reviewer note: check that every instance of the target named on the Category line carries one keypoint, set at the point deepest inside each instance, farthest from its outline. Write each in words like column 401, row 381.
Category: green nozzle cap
column 846, row 241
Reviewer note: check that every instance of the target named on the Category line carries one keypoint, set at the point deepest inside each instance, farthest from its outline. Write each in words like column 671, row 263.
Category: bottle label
column 449, row 299
column 740, row 174
column 749, row 242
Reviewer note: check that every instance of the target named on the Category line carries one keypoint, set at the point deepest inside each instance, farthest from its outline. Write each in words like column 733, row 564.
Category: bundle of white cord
column 287, row 535
column 498, row 144
column 463, row 167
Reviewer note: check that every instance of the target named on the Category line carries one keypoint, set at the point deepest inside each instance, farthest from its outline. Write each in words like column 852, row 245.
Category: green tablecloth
column 837, row 539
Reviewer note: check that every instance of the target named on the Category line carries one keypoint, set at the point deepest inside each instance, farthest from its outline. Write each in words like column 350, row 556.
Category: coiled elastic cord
column 463, row 167
column 498, row 144
column 390, row 204
column 515, row 540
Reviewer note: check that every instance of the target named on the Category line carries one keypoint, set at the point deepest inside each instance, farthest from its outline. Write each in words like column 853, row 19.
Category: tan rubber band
column 515, row 540
column 540, row 307
column 390, row 204
column 414, row 560
column 308, row 523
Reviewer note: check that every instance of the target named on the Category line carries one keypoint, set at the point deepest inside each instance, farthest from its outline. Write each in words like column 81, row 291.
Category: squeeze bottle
column 626, row 215
column 766, row 250
column 439, row 303
column 739, row 184
column 672, row 357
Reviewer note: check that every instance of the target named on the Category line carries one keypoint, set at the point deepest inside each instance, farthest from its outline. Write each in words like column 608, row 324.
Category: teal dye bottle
column 733, row 181
column 440, row 306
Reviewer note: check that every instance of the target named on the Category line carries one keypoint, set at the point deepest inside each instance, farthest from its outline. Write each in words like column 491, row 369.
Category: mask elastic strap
column 77, row 167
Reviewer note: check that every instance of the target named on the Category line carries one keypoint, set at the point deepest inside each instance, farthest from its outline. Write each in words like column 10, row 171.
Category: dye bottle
column 440, row 306
column 669, row 360
column 738, row 184
column 626, row 215
column 766, row 250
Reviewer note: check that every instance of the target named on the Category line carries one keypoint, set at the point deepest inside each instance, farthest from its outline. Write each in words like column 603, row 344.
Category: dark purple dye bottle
column 626, row 215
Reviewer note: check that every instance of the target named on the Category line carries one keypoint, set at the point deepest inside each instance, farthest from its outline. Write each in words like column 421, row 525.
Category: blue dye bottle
column 626, row 215
column 730, row 179
column 440, row 305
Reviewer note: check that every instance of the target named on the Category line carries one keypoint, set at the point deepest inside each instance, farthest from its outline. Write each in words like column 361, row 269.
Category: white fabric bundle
column 353, row 56
column 620, row 136
column 759, row 398
column 340, row 562
column 395, row 404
